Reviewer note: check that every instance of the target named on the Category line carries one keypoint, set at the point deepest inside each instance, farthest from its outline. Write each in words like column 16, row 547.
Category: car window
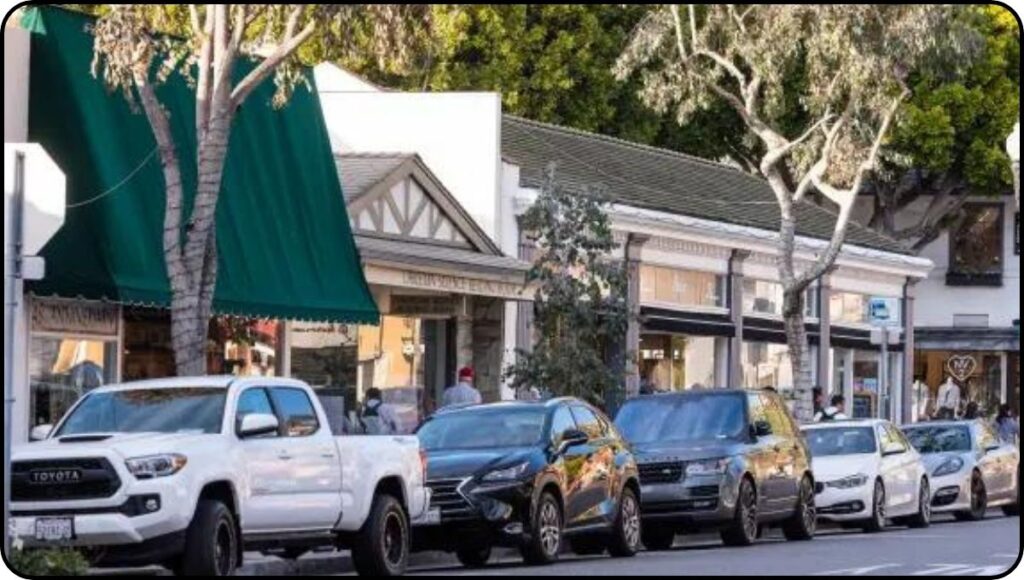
column 587, row 422
column 987, row 438
column 295, row 411
column 891, row 439
column 930, row 439
column 757, row 411
column 778, row 417
column 252, row 402
column 560, row 423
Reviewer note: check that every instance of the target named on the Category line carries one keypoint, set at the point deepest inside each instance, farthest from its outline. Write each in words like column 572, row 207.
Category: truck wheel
column 545, row 541
column 804, row 523
column 474, row 557
column 211, row 542
column 382, row 547
column 625, row 541
column 743, row 529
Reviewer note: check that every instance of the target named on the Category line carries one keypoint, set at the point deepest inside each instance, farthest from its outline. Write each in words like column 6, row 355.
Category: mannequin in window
column 948, row 402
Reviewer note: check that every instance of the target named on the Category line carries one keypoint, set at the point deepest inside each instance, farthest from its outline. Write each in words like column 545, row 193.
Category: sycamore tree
column 843, row 66
column 580, row 300
column 138, row 46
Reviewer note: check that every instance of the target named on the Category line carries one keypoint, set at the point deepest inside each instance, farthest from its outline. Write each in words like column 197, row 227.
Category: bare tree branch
column 269, row 64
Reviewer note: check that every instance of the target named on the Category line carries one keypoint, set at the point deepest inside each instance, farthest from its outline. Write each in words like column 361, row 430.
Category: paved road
column 948, row 548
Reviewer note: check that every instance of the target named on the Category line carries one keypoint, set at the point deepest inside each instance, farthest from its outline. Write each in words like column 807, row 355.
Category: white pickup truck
column 190, row 473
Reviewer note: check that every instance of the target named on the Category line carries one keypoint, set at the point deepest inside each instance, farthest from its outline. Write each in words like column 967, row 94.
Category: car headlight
column 152, row 466
column 949, row 467
column 708, row 467
column 509, row 474
column 851, row 482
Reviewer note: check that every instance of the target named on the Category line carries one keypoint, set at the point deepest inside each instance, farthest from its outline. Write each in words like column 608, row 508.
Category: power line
column 113, row 189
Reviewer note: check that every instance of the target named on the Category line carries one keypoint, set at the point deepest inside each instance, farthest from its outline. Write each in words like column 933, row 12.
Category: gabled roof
column 662, row 180
column 369, row 181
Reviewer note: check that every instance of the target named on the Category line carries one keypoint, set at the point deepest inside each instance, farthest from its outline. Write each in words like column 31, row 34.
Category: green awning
column 286, row 248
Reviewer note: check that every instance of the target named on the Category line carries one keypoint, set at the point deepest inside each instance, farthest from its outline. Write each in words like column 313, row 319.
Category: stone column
column 463, row 332
column 524, row 319
column 735, row 378
column 909, row 346
column 825, row 333
column 634, row 243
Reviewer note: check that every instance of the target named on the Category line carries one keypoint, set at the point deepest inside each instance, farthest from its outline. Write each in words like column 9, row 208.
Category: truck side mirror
column 257, row 424
column 40, row 432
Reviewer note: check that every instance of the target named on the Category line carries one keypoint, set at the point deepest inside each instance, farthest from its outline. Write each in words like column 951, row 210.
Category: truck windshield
column 837, row 441
column 483, row 429
column 940, row 439
column 171, row 410
column 686, row 418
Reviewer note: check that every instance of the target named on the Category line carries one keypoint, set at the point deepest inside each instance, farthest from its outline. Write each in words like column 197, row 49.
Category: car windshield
column 836, row 441
column 169, row 410
column 483, row 429
column 687, row 418
column 940, row 439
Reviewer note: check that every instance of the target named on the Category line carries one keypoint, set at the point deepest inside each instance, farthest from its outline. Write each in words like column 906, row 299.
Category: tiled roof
column 361, row 171
column 662, row 180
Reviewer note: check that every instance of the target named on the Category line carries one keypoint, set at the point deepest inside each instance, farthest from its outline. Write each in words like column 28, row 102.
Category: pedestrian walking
column 1008, row 425
column 834, row 412
column 463, row 392
column 377, row 417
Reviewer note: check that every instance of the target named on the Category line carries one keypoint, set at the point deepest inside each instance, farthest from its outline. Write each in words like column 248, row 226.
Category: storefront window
column 324, row 355
column 676, row 363
column 392, row 358
column 761, row 297
column 866, row 373
column 978, row 375
column 976, row 248
column 61, row 370
column 767, row 365
column 675, row 287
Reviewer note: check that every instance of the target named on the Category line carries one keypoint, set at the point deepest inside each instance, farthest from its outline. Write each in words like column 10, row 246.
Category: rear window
column 688, row 418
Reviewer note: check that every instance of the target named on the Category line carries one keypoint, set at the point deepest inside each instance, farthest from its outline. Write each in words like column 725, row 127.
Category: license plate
column 55, row 529
column 431, row 518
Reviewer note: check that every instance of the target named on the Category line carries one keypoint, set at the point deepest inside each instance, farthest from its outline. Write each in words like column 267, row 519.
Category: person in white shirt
column 834, row 412
column 948, row 401
column 463, row 392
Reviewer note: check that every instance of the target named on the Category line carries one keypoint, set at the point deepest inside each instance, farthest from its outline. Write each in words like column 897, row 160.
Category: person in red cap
column 462, row 393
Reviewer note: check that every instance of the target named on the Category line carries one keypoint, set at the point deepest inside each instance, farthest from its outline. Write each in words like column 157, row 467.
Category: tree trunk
column 794, row 309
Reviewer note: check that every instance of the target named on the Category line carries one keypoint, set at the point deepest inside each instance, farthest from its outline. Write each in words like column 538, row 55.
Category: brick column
column 634, row 243
column 735, row 378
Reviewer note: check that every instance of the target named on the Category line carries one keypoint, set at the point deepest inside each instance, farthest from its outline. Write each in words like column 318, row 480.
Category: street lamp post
column 1013, row 150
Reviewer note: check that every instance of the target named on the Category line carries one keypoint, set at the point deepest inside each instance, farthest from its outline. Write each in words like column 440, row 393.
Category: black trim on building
column 757, row 329
column 693, row 323
column 857, row 338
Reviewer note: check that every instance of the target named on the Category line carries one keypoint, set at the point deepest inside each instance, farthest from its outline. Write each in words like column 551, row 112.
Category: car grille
column 453, row 505
column 660, row 473
column 94, row 478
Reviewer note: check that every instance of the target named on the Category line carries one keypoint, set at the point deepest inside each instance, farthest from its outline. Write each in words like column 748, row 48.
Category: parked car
column 868, row 473
column 188, row 473
column 528, row 475
column 971, row 469
column 729, row 460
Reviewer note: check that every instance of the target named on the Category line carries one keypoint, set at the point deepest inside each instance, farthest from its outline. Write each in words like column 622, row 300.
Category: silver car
column 971, row 469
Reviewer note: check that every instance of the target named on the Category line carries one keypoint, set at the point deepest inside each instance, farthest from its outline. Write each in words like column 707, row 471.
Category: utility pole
column 12, row 278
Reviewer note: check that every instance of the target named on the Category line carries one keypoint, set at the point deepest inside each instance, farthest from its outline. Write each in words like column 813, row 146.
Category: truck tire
column 625, row 541
column 211, row 542
column 382, row 547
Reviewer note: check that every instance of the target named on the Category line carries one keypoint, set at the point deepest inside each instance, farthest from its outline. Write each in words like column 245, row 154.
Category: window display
column 676, row 363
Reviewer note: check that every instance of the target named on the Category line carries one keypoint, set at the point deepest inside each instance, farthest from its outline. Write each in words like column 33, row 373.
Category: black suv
column 528, row 475
column 730, row 460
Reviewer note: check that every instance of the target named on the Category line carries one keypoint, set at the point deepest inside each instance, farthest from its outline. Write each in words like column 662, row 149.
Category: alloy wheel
column 631, row 521
column 748, row 503
column 810, row 514
column 550, row 529
column 879, row 505
column 978, row 499
column 926, row 502
column 393, row 540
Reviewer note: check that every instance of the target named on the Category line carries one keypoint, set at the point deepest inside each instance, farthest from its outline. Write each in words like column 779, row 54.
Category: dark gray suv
column 729, row 460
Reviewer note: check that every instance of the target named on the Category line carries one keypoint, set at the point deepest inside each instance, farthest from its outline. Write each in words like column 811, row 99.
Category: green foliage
column 955, row 127
column 580, row 302
column 50, row 562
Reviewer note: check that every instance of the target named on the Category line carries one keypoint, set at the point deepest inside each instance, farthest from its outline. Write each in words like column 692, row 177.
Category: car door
column 265, row 477
column 897, row 470
column 787, row 452
column 572, row 462
column 594, row 494
column 309, row 456
column 996, row 463
column 763, row 456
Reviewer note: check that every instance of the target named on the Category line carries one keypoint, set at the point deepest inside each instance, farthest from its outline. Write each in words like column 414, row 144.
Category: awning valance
column 286, row 249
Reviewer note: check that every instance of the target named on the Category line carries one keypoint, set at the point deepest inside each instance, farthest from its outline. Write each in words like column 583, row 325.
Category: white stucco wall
column 938, row 303
column 458, row 135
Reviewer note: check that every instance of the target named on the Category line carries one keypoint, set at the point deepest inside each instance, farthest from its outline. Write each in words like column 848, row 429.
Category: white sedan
column 971, row 470
column 868, row 474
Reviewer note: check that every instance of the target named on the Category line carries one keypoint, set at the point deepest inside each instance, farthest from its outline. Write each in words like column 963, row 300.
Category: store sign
column 884, row 311
column 422, row 306
column 461, row 285
column 74, row 317
column 962, row 367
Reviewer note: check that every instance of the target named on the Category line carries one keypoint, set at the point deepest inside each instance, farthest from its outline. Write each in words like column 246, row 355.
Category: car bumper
column 951, row 493
column 497, row 514
column 698, row 501
column 845, row 505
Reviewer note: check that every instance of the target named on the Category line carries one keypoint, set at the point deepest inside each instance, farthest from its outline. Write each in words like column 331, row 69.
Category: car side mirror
column 572, row 438
column 257, row 424
column 761, row 428
column 40, row 432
